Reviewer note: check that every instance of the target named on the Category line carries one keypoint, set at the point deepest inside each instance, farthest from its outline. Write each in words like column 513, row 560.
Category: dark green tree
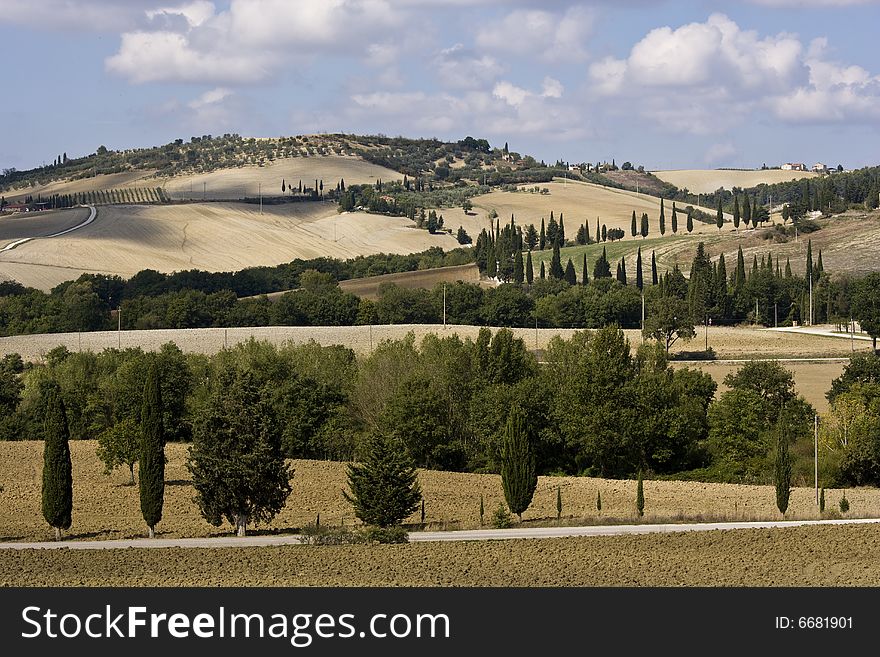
column 152, row 459
column 542, row 239
column 518, row 267
column 736, row 211
column 662, row 219
column 602, row 268
column 644, row 231
column 640, row 283
column 585, row 276
column 236, row 460
column 653, row 269
column 558, row 503
column 530, row 270
column 543, row 271
column 599, row 501
column 674, row 219
column 57, row 470
column 640, row 496
column 570, row 274
column 866, row 305
column 782, row 470
column 633, row 227
column 384, row 488
column 690, row 220
column 556, row 270
column 518, row 474
column 719, row 215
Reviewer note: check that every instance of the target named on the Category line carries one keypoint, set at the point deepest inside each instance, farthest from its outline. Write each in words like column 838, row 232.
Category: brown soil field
column 125, row 239
column 796, row 556
column 705, row 181
column 106, row 508
column 36, row 224
column 94, row 183
column 233, row 184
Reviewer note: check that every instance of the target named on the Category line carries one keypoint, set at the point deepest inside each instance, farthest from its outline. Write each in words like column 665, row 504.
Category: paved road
column 93, row 212
column 824, row 332
column 418, row 537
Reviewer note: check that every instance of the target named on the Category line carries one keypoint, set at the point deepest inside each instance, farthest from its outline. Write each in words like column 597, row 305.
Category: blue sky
column 667, row 84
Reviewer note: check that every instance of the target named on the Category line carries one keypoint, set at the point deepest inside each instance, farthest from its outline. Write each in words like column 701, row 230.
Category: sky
column 662, row 83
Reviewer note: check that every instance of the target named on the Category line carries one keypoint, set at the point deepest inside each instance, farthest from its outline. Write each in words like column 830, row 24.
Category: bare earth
column 705, row 181
column 106, row 508
column 797, row 556
column 125, row 239
column 141, row 179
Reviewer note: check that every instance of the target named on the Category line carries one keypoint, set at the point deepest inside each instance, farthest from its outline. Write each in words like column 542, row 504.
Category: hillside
column 211, row 236
column 706, row 181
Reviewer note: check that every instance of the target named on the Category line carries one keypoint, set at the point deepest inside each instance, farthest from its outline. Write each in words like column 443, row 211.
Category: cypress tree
column 640, row 283
column 599, row 501
column 542, row 239
column 587, row 232
column 57, row 471
column 843, row 505
column 543, row 271
column 598, row 232
column 782, row 472
column 518, row 268
column 719, row 215
column 633, row 228
column 152, row 461
column 788, row 267
column 530, row 271
column 674, row 219
column 640, row 496
column 604, row 233
column 556, row 270
column 623, row 270
column 662, row 218
column 736, row 211
column 644, row 225
column 558, row 503
column 482, row 510
column 820, row 268
column 617, row 275
column 570, row 275
column 690, row 221
column 653, row 269
column 747, row 211
column 518, row 474
column 822, row 500
column 561, row 230
column 585, row 277
column 740, row 276
column 602, row 268
column 809, row 275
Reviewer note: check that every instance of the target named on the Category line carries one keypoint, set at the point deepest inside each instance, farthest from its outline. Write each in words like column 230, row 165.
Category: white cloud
column 554, row 36
column 211, row 97
column 460, row 68
column 195, row 13
column 704, row 78
column 719, row 152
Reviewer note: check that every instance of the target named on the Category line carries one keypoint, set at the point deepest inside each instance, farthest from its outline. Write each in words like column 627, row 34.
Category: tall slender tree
column 634, row 228
column 518, row 267
column 152, row 461
column 674, row 219
column 57, row 495
column 542, row 238
column 530, row 271
column 782, row 471
column 585, row 276
column 690, row 220
column 518, row 471
column 543, row 271
column 570, row 275
column 644, row 225
column 640, row 283
column 662, row 218
column 653, row 269
column 556, row 270
column 719, row 215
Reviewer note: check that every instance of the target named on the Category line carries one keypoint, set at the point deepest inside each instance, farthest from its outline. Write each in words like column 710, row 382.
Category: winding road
column 93, row 212
column 419, row 537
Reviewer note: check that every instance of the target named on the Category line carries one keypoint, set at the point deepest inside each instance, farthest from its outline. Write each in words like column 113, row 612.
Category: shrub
column 844, row 504
column 640, row 496
column 394, row 534
column 502, row 519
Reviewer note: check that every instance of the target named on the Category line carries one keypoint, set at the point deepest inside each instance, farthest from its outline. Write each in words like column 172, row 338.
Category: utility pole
column 816, row 454
column 811, row 297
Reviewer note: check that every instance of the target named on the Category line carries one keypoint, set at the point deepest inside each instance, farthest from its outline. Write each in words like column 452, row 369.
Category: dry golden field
column 368, row 288
column 578, row 201
column 93, row 183
column 705, row 181
column 106, row 508
column 36, row 224
column 796, row 556
column 241, row 182
column 125, row 239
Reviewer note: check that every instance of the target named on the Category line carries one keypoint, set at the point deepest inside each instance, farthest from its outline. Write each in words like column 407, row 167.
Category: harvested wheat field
column 579, row 203
column 38, row 224
column 141, row 179
column 125, row 239
column 797, row 556
column 368, row 288
column 106, row 508
column 728, row 342
column 241, row 182
column 705, row 181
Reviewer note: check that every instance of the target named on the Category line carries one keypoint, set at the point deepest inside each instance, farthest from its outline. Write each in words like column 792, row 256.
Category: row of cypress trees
column 57, row 493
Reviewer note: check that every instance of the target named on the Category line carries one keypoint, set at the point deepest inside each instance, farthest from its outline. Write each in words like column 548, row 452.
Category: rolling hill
column 706, row 181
